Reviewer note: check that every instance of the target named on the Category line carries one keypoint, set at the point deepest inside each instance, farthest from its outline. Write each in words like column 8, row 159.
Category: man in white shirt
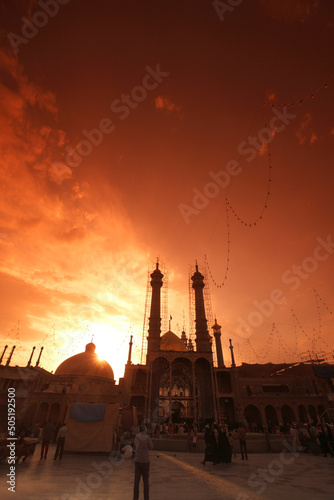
column 60, row 442
column 143, row 444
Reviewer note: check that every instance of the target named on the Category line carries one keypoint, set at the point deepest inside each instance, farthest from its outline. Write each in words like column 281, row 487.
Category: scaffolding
column 191, row 307
column 164, row 307
column 146, row 318
column 317, row 357
column 207, row 305
column 164, row 298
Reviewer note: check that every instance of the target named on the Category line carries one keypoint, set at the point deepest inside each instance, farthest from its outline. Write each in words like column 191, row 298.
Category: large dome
column 171, row 342
column 86, row 363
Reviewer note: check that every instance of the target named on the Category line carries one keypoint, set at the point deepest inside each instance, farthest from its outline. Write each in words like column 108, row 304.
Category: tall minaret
column 154, row 328
column 202, row 334
column 217, row 334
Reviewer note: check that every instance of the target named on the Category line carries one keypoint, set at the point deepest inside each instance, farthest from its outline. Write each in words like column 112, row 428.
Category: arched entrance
column 204, row 380
column 253, row 417
column 271, row 416
column 42, row 413
column 312, row 413
column 288, row 414
column 302, row 414
column 29, row 417
column 54, row 413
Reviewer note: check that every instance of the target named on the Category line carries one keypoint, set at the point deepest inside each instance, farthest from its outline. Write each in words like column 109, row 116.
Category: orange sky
column 177, row 89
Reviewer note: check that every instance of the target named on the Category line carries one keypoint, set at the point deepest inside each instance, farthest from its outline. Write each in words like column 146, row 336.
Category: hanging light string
column 265, row 206
column 222, row 283
column 265, row 351
column 288, row 351
column 300, row 101
column 317, row 296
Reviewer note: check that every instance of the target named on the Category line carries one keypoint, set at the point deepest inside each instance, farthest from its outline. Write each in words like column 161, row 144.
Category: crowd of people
column 313, row 438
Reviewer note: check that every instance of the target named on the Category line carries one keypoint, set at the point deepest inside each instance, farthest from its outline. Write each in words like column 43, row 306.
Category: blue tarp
column 82, row 412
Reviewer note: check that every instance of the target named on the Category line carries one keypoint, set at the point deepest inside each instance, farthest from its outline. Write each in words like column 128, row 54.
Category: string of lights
column 265, row 351
column 222, row 283
column 286, row 349
column 299, row 101
column 317, row 297
column 322, row 301
column 265, row 206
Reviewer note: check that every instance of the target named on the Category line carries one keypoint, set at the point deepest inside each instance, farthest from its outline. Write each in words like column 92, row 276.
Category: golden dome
column 87, row 364
column 171, row 342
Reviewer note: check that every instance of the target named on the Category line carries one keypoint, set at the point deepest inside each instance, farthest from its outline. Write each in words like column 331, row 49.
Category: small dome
column 87, row 364
column 171, row 342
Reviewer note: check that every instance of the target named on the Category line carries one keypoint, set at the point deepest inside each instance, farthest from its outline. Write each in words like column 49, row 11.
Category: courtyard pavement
column 175, row 476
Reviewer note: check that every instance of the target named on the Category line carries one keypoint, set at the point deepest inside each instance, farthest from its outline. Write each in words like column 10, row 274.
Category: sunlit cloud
column 70, row 245
column 290, row 10
column 163, row 103
column 305, row 133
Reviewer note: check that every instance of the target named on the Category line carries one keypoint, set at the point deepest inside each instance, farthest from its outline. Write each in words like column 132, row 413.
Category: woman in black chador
column 211, row 447
column 224, row 447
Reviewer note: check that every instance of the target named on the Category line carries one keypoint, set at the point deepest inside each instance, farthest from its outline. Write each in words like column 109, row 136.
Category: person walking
column 60, row 440
column 242, row 433
column 47, row 435
column 143, row 444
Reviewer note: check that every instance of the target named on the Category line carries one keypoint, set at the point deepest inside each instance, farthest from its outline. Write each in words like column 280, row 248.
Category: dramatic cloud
column 163, row 103
column 305, row 133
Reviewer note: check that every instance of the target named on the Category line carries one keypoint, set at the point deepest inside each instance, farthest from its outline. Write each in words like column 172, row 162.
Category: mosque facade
column 177, row 382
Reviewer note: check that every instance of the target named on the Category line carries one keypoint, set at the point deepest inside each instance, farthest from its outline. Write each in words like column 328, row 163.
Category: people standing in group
column 231, row 439
column 47, row 435
column 190, row 440
column 211, row 448
column 267, row 439
column 243, row 435
column 330, row 436
column 224, row 447
column 194, row 442
column 322, row 436
column 60, row 440
column 143, row 445
column 295, row 436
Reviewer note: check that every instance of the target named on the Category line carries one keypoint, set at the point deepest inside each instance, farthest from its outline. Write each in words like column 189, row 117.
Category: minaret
column 232, row 355
column 31, row 355
column 217, row 334
column 39, row 357
column 154, row 328
column 3, row 353
column 130, row 350
column 202, row 334
column 10, row 356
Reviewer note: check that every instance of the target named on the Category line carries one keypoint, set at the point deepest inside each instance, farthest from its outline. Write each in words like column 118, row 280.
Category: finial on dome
column 90, row 348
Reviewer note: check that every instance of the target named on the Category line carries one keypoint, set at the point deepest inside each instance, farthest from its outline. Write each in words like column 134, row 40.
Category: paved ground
column 178, row 476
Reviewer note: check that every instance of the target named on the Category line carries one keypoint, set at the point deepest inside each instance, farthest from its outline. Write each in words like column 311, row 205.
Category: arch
column 204, row 382
column 302, row 414
column 288, row 415
column 253, row 417
column 322, row 413
column 160, row 368
column 312, row 413
column 29, row 417
column 54, row 413
column 271, row 415
column 42, row 413
column 139, row 403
